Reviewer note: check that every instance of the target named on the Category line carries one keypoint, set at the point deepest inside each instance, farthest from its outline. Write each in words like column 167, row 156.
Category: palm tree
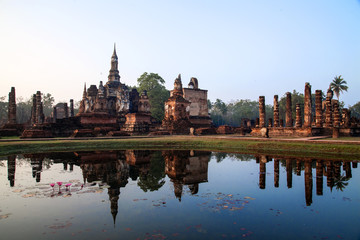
column 338, row 85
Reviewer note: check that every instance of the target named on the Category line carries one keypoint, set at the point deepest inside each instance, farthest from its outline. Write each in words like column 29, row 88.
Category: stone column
column 270, row 122
column 345, row 121
column 336, row 114
column 39, row 109
column 66, row 110
column 307, row 106
column 318, row 108
column 12, row 107
column 33, row 109
column 71, row 108
column 308, row 183
column 54, row 115
column 288, row 114
column 276, row 111
column 262, row 112
column 298, row 116
column 319, row 178
column 281, row 122
column 328, row 111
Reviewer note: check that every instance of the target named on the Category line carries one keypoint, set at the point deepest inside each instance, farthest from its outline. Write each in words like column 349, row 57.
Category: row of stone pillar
column 37, row 110
column 332, row 112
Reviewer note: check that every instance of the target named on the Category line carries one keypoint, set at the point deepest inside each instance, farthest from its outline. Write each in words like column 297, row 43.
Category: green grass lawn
column 279, row 148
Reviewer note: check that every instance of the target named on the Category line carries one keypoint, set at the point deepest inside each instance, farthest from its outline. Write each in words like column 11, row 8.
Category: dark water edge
column 174, row 194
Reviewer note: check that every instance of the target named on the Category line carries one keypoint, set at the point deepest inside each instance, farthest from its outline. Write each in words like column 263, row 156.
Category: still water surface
column 177, row 195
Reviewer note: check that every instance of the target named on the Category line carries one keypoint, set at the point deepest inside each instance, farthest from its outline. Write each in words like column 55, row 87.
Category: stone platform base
column 200, row 122
column 224, row 129
column 83, row 133
column 11, row 130
column 36, row 133
column 205, row 131
column 283, row 131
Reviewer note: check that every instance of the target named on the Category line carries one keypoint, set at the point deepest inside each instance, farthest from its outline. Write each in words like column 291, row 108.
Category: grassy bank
column 281, row 148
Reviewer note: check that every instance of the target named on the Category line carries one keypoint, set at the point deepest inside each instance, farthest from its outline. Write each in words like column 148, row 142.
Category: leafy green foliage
column 154, row 85
column 23, row 108
column 3, row 110
column 154, row 179
column 233, row 112
column 355, row 110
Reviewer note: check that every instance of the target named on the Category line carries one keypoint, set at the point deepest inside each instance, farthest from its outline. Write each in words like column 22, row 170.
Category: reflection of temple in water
column 186, row 168
column 189, row 168
column 11, row 163
column 108, row 167
column 330, row 169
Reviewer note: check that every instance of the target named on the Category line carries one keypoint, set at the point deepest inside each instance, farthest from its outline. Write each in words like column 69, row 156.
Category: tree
column 355, row 110
column 3, row 110
column 338, row 85
column 23, row 110
column 48, row 102
column 157, row 93
column 155, row 178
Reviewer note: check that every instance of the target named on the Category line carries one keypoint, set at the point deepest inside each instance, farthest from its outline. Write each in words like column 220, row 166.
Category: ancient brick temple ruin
column 113, row 109
column 325, row 121
column 177, row 111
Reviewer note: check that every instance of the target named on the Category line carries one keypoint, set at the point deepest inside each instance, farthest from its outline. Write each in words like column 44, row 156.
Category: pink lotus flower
column 59, row 183
column 52, row 185
column 67, row 186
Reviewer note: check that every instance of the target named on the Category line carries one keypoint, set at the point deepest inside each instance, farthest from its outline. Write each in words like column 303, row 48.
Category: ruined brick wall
column 198, row 100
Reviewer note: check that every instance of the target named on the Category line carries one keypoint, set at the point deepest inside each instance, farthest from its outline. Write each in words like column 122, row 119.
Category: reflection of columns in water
column 11, row 164
column 347, row 169
column 298, row 167
column 36, row 164
column 276, row 173
column 337, row 169
column 354, row 164
column 71, row 167
column 308, row 183
column 319, row 177
column 289, row 173
column 262, row 174
column 330, row 174
column 65, row 165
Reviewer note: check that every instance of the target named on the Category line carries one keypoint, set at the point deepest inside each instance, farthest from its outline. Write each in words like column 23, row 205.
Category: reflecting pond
column 174, row 194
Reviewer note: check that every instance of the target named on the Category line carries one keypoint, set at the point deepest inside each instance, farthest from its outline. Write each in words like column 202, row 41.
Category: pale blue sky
column 236, row 49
